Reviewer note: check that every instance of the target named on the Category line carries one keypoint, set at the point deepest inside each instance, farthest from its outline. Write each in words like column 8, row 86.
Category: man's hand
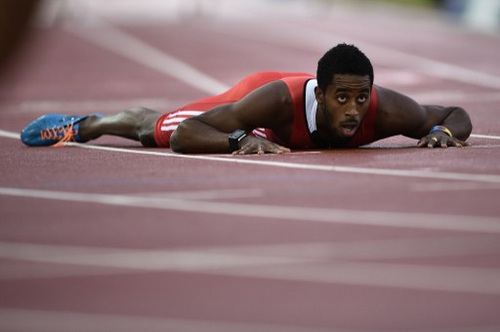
column 439, row 139
column 254, row 145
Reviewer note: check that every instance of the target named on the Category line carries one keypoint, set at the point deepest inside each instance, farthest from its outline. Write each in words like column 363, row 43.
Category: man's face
column 343, row 106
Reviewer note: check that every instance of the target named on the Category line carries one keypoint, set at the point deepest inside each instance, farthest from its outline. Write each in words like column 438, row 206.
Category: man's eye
column 342, row 99
column 361, row 99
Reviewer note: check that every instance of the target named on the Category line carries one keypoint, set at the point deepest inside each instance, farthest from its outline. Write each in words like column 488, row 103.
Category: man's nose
column 352, row 111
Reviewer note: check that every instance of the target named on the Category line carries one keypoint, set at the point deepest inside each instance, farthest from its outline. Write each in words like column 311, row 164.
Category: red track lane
column 112, row 240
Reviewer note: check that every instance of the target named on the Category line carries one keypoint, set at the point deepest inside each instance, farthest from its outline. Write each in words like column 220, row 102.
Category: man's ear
column 319, row 95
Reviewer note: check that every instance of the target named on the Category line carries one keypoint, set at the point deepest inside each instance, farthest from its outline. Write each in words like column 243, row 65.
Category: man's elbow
column 466, row 123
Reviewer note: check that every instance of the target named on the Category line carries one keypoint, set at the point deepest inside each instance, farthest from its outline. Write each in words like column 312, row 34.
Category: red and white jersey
column 301, row 87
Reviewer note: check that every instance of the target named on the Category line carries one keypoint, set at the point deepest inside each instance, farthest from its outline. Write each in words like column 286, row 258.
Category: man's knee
column 146, row 123
column 148, row 140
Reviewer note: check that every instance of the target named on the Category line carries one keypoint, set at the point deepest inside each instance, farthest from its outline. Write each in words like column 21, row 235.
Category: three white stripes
column 173, row 120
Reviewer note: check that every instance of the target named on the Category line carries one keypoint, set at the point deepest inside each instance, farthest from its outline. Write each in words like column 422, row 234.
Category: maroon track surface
column 383, row 238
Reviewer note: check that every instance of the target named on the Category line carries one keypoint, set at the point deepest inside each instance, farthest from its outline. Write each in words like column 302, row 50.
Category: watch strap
column 235, row 138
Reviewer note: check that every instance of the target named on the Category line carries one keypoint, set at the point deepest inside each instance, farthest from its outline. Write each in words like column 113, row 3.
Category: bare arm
column 268, row 106
column 456, row 120
column 398, row 114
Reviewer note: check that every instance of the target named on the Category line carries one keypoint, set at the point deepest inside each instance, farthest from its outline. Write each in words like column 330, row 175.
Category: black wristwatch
column 235, row 138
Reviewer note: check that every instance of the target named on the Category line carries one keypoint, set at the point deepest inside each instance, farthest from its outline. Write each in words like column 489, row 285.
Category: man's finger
column 243, row 150
column 432, row 142
column 281, row 149
column 458, row 143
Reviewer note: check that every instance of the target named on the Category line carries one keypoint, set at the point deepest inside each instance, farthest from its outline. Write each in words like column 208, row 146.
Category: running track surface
column 110, row 236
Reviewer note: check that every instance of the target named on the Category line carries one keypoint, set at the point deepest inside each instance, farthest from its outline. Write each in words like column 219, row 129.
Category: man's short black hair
column 342, row 59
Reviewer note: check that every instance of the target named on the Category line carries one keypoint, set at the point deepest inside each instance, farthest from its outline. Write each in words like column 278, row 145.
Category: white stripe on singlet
column 173, row 120
column 311, row 105
column 260, row 132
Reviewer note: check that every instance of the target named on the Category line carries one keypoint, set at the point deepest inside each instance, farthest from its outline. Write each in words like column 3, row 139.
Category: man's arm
column 398, row 114
column 268, row 106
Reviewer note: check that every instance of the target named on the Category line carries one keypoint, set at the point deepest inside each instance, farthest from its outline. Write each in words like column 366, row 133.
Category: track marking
column 335, row 216
column 9, row 134
column 419, row 277
column 86, row 261
column 489, row 178
column 207, row 194
column 289, row 267
column 128, row 46
column 379, row 249
column 485, row 136
column 147, row 260
column 213, row 258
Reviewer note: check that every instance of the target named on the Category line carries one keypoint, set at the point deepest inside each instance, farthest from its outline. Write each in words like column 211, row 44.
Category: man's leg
column 136, row 123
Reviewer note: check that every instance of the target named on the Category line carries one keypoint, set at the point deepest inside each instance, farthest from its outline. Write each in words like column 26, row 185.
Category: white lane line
column 22, row 320
column 307, row 214
column 207, row 194
column 215, row 258
column 9, row 134
column 419, row 277
column 483, row 146
column 379, row 249
column 86, row 261
column 148, row 260
column 126, row 45
column 489, row 178
column 485, row 136
column 380, row 274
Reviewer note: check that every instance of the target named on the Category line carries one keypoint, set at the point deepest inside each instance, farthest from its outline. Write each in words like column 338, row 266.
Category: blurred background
column 50, row 30
column 17, row 16
column 479, row 14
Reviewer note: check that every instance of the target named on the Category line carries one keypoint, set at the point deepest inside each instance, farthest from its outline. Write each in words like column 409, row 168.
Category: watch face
column 238, row 134
column 235, row 138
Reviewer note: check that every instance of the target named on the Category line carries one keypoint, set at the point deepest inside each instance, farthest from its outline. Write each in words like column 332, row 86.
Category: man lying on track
column 274, row 112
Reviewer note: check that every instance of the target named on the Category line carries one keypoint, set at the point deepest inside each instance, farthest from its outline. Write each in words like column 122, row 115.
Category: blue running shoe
column 52, row 129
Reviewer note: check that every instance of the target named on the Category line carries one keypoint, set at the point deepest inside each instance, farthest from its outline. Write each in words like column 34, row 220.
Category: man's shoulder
column 397, row 113
column 297, row 84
